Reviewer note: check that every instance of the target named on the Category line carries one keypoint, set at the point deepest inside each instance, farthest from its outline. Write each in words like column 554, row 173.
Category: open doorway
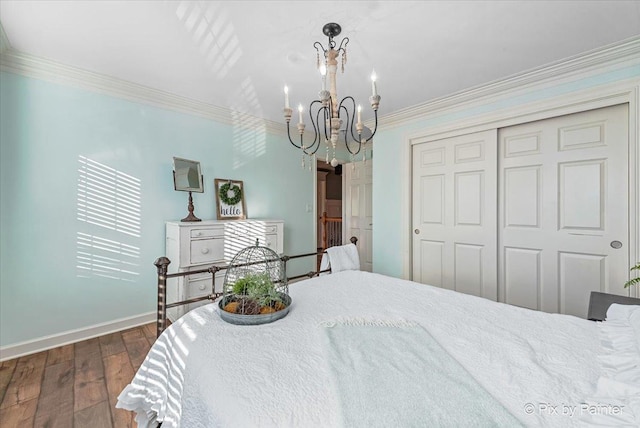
column 329, row 203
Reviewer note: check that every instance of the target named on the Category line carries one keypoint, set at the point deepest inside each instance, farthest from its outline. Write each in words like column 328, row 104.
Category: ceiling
column 240, row 54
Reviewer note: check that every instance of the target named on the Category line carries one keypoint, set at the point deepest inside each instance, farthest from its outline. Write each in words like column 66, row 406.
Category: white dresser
column 193, row 246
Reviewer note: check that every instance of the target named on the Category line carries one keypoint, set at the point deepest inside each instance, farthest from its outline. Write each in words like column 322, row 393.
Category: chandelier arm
column 315, row 129
column 375, row 128
column 350, row 125
column 290, row 140
column 304, row 149
column 318, row 130
column 316, row 126
column 344, row 42
column 348, row 97
column 327, row 115
column 319, row 47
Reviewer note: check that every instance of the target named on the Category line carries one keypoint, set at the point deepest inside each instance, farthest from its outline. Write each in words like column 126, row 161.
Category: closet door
column 563, row 210
column 454, row 213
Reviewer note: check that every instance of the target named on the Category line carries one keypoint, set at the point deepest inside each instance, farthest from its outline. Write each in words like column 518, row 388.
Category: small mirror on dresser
column 187, row 177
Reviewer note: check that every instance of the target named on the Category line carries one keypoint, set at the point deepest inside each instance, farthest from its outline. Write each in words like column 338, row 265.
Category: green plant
column 633, row 281
column 258, row 287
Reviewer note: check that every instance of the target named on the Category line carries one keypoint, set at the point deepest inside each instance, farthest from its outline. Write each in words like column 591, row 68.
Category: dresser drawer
column 217, row 232
column 250, row 229
column 200, row 285
column 271, row 229
column 271, row 242
column 206, row 251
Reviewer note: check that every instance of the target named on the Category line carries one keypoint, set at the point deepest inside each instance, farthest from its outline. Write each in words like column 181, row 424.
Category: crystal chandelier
column 326, row 114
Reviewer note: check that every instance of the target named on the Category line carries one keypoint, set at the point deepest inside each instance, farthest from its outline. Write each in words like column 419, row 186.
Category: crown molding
column 28, row 65
column 597, row 61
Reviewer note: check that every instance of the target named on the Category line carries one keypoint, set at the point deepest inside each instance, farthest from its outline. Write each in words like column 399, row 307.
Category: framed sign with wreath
column 230, row 199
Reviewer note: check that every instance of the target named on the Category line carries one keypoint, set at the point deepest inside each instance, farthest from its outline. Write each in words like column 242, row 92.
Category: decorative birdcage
column 255, row 289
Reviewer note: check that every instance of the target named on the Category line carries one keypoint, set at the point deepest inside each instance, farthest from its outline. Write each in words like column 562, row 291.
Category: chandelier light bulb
column 374, row 77
column 286, row 97
column 359, row 113
column 300, row 109
column 323, row 76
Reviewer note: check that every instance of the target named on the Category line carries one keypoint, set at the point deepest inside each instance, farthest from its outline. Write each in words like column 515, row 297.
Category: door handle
column 616, row 245
column 417, row 231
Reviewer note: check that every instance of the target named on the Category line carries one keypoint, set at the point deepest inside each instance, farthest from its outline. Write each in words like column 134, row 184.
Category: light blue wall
column 45, row 130
column 389, row 165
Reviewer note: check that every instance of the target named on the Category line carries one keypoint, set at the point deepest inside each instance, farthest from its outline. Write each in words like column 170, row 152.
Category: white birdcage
column 255, row 289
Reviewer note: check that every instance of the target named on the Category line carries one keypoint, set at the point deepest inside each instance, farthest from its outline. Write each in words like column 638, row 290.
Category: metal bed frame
column 162, row 266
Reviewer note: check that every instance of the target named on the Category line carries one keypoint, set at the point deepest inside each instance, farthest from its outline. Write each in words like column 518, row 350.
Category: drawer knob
column 202, row 287
column 198, row 233
column 205, row 251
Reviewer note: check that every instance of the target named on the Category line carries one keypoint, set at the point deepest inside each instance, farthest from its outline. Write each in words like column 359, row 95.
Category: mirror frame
column 194, row 164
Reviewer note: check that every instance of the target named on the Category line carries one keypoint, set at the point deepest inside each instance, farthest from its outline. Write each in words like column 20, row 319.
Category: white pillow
column 616, row 401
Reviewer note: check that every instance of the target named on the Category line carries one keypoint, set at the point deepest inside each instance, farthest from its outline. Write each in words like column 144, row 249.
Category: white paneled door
column 358, row 211
column 534, row 215
column 563, row 196
column 454, row 214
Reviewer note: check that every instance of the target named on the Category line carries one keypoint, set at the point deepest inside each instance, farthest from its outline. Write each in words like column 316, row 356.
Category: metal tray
column 241, row 319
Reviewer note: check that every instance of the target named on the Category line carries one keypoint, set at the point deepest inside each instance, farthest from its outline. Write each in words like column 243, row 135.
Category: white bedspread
column 412, row 382
column 203, row 372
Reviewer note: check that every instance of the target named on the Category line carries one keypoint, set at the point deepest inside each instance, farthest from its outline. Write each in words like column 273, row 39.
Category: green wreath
column 224, row 193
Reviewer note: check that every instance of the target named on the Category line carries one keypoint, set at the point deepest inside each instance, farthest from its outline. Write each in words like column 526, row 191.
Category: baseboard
column 53, row 341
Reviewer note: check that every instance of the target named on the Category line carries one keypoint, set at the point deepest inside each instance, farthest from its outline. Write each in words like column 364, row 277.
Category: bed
column 363, row 349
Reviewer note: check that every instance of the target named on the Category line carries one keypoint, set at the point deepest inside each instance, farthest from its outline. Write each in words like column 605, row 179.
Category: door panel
column 469, row 189
column 468, row 263
column 563, row 198
column 432, row 262
column 454, row 212
column 581, row 189
column 432, row 199
column 359, row 210
column 522, row 277
column 522, row 196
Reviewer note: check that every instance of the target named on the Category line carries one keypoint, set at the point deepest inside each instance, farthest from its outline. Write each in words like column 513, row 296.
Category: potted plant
column 254, row 294
column 633, row 281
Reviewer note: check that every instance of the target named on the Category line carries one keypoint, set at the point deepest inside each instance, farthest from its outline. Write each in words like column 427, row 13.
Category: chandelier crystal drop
column 327, row 115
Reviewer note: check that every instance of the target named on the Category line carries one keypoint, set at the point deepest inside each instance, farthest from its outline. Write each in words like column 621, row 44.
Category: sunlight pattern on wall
column 106, row 258
column 109, row 212
column 108, row 197
column 249, row 130
column 212, row 32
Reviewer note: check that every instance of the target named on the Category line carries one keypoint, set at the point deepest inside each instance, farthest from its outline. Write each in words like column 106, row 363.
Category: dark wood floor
column 74, row 385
